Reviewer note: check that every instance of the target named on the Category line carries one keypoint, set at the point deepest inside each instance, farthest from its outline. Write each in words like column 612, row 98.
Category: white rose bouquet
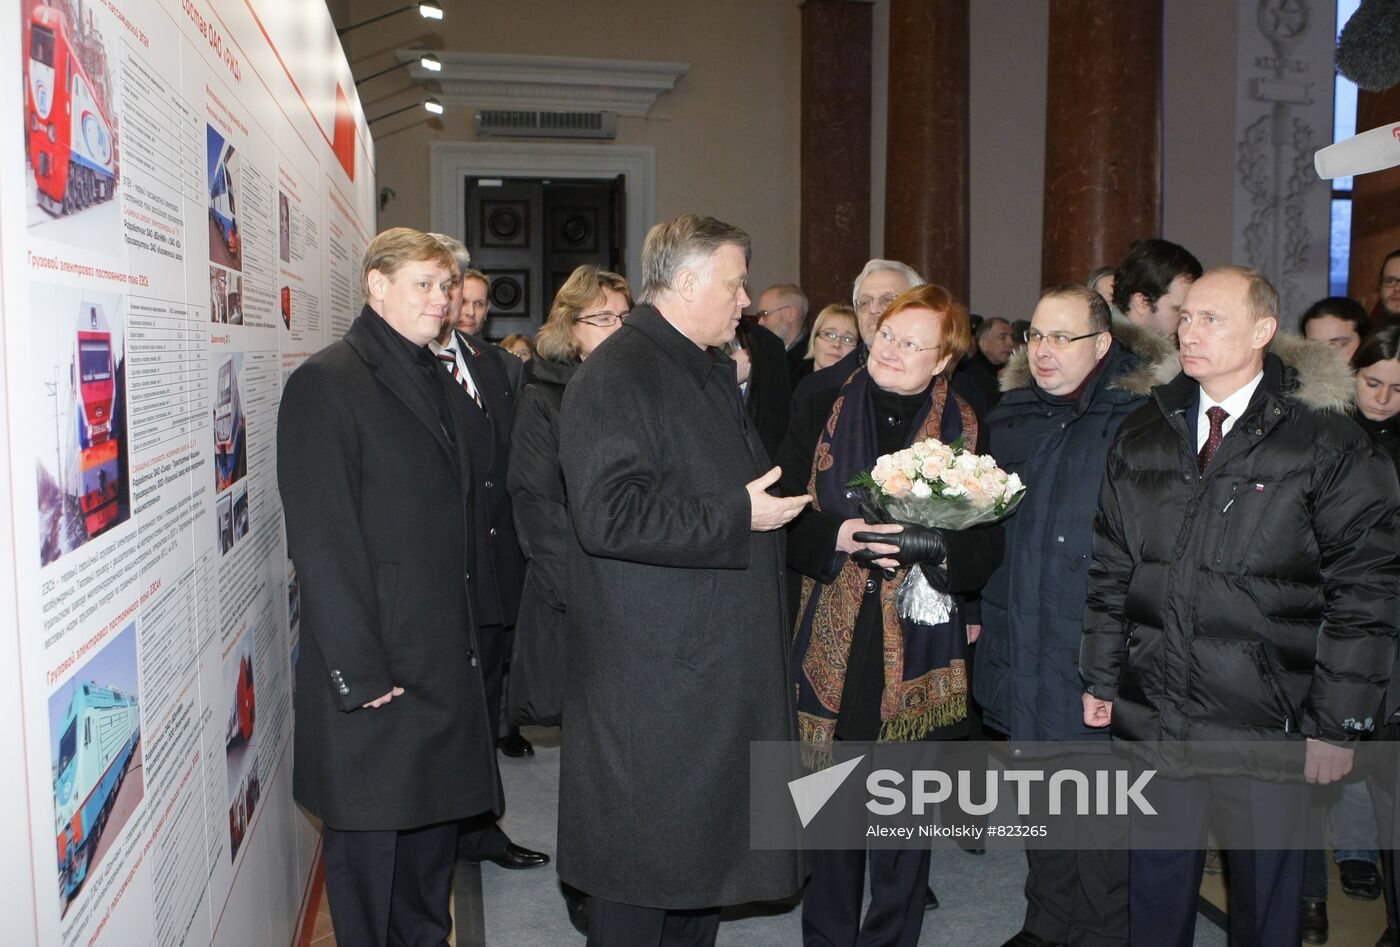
column 937, row 485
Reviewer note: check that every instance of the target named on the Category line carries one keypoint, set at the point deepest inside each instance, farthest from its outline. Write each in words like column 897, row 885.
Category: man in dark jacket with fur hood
column 1065, row 396
column 1243, row 588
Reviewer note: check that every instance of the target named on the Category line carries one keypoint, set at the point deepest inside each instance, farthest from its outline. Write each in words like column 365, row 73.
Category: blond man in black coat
column 392, row 741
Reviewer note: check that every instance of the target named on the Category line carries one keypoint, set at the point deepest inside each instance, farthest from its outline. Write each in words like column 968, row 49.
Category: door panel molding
column 451, row 162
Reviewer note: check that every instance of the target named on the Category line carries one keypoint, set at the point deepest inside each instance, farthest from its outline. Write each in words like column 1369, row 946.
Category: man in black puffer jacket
column 1065, row 396
column 1244, row 583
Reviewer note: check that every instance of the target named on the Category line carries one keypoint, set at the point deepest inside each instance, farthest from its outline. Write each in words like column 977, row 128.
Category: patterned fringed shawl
column 925, row 666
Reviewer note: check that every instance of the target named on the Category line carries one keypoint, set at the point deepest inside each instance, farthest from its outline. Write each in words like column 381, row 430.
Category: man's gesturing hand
column 1326, row 762
column 769, row 512
column 381, row 701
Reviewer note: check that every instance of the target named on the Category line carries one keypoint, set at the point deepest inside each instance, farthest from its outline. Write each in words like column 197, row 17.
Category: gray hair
column 674, row 245
column 793, row 292
column 874, row 266
column 1092, row 280
column 989, row 323
column 458, row 249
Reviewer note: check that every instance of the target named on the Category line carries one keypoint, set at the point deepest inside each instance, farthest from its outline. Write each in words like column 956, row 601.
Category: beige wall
column 726, row 137
column 1198, row 127
column 1009, row 52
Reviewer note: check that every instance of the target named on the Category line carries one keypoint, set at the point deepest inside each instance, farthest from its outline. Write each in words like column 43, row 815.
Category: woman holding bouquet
column 863, row 672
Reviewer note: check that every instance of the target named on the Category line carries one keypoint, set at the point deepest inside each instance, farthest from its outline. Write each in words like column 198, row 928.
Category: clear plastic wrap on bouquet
column 936, row 485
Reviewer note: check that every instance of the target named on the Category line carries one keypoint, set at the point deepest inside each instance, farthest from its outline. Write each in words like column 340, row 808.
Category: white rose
column 922, row 490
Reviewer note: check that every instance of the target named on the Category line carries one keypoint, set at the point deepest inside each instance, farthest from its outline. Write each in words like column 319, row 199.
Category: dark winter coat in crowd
column 1257, row 599
column 768, row 396
column 537, row 493
column 799, row 365
column 498, row 570
column 1027, row 680
column 985, row 375
column 677, row 648
column 1384, row 434
column 376, row 490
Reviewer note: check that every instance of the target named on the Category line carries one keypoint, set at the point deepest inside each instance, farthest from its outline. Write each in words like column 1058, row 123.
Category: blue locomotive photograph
column 95, row 729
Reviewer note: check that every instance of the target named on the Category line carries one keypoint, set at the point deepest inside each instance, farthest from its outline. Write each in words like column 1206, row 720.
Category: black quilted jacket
column 1260, row 599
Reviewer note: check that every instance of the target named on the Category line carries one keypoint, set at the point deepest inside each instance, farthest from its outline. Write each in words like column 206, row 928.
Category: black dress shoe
column 515, row 746
column 1026, row 939
column 1387, row 939
column 516, row 857
column 1314, row 922
column 1360, row 879
column 930, row 900
column 579, row 907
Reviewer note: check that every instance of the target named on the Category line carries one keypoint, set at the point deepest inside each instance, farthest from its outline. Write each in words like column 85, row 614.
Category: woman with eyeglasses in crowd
column 834, row 336
column 589, row 307
column 848, row 624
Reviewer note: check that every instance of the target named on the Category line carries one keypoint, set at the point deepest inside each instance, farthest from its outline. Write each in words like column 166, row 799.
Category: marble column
column 1375, row 204
column 1103, row 134
column 926, row 148
column 835, row 189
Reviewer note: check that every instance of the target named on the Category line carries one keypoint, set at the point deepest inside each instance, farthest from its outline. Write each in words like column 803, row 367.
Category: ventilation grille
column 513, row 124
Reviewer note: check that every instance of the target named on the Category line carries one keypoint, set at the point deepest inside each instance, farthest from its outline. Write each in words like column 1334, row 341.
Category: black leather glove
column 917, row 544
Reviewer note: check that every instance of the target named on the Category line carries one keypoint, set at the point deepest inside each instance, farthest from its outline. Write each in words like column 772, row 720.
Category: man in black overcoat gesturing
column 392, row 742
column 677, row 649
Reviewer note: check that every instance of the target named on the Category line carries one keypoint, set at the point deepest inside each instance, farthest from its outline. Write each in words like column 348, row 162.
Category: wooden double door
column 528, row 234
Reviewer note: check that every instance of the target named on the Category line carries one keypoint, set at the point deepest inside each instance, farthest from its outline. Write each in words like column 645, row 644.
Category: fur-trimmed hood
column 1315, row 374
column 1156, row 361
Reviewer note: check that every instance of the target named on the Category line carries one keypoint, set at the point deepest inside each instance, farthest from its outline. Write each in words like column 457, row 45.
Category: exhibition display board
column 181, row 225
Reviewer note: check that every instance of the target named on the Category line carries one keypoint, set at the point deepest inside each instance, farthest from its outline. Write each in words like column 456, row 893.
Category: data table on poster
column 168, row 382
column 163, row 133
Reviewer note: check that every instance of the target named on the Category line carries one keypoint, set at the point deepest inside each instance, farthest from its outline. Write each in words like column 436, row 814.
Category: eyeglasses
column 603, row 320
column 864, row 303
column 1390, row 282
column 768, row 312
column 905, row 346
column 1057, row 339
column 836, row 338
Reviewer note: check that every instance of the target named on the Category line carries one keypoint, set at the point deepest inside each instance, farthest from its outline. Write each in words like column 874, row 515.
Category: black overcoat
column 541, row 509
column 677, row 648
column 378, row 517
column 498, row 570
column 1027, row 681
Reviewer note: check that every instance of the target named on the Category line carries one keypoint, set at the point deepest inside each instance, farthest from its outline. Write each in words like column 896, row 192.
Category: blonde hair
column 515, row 337
column 584, row 287
column 398, row 246
column 825, row 316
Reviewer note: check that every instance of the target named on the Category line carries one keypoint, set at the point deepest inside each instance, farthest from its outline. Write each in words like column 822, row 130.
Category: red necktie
column 1217, row 416
column 449, row 358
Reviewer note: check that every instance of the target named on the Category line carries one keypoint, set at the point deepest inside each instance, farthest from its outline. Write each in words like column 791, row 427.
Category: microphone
column 1373, row 150
column 1368, row 51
